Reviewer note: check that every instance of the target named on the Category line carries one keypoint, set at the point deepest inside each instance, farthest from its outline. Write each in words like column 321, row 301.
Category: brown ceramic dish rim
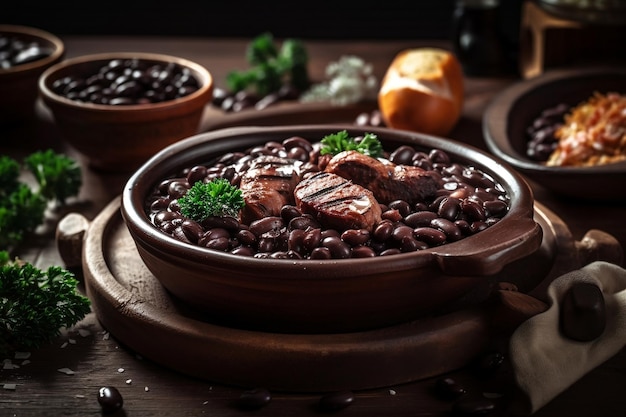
column 486, row 252
column 47, row 37
column 51, row 75
column 496, row 122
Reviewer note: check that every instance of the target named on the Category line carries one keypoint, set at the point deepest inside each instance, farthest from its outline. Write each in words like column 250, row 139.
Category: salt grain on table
column 21, row 355
column 84, row 332
column 66, row 371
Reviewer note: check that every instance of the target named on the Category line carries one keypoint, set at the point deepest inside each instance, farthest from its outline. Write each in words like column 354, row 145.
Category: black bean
column 337, row 247
column 449, row 389
column 362, row 252
column 321, row 253
column 403, row 155
column 110, row 399
column 452, row 231
column 220, row 244
column 390, row 251
column 303, row 222
column 449, row 208
column 410, row 244
column 433, row 237
column 473, row 209
column 246, row 237
column 495, row 208
column 402, row 207
column 178, row 188
column 336, row 400
column 401, row 232
column 254, row 399
column 383, row 231
column 298, row 142
column 296, row 240
column 420, row 218
column 243, row 251
column 355, row 237
column 196, row 173
column 391, row 215
column 192, row 230
column 215, row 233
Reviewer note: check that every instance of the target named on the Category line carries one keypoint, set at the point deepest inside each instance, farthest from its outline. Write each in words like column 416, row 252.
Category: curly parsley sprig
column 341, row 141
column 35, row 304
column 22, row 207
column 214, row 198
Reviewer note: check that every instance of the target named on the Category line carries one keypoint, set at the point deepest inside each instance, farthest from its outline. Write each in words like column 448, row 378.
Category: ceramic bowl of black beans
column 25, row 53
column 119, row 109
column 328, row 242
column 565, row 130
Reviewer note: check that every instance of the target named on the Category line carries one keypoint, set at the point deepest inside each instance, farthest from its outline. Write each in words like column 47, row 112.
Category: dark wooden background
column 391, row 19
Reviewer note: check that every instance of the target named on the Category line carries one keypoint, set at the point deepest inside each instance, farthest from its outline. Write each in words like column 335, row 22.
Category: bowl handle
column 489, row 255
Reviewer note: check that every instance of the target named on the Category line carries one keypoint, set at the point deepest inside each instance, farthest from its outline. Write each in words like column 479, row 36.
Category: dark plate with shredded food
column 511, row 115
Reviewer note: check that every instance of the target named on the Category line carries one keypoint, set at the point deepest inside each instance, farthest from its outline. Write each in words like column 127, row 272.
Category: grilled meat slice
column 387, row 181
column 337, row 203
column 267, row 186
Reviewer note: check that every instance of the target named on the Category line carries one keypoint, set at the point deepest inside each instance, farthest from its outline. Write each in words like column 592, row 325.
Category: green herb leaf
column 214, row 198
column 21, row 207
column 35, row 304
column 341, row 141
column 59, row 176
column 271, row 67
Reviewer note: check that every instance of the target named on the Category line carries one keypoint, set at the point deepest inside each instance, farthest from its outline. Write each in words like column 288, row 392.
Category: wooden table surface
column 149, row 389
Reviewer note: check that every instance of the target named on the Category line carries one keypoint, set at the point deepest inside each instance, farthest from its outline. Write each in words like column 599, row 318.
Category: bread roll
column 422, row 91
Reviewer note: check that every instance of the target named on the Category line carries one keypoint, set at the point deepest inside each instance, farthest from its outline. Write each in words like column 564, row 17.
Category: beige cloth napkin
column 542, row 358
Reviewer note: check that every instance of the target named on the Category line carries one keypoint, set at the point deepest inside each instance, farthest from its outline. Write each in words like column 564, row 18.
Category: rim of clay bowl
column 486, row 252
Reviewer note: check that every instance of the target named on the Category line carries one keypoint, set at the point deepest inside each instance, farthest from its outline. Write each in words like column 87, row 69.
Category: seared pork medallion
column 267, row 186
column 341, row 197
column 386, row 180
column 337, row 202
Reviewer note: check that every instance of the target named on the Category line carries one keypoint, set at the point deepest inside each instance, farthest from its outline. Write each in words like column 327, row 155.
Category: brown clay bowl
column 510, row 113
column 319, row 296
column 122, row 137
column 18, row 83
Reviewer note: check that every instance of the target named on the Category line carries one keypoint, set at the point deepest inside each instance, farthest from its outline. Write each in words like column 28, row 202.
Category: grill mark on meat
column 387, row 181
column 267, row 186
column 337, row 203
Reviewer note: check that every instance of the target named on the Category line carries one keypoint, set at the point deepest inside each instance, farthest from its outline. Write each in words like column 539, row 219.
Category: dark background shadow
column 389, row 19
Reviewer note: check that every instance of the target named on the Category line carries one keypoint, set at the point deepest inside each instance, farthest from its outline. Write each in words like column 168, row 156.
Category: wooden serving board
column 133, row 306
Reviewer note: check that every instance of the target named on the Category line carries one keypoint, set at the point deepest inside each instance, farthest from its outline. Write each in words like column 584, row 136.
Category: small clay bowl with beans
column 293, row 272
column 118, row 109
column 518, row 127
column 25, row 53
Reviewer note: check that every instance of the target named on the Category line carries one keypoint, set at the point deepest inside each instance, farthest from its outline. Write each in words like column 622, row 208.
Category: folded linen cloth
column 542, row 356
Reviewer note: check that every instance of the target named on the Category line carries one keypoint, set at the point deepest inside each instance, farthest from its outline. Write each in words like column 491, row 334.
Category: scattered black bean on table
column 467, row 202
column 16, row 51
column 129, row 82
column 335, row 401
column 110, row 399
column 541, row 133
column 233, row 102
column 254, row 399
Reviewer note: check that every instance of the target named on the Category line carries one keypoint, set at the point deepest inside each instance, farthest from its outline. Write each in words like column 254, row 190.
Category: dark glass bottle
column 476, row 37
